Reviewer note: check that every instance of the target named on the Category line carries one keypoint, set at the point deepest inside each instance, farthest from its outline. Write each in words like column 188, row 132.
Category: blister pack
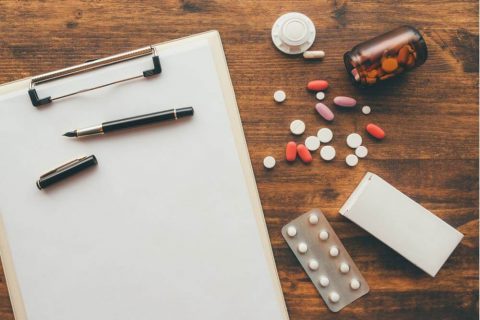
column 325, row 260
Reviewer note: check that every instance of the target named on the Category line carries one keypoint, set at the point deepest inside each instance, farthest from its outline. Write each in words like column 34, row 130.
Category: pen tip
column 70, row 134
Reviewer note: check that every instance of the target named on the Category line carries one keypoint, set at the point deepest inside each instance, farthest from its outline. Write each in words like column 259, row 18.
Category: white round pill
column 291, row 231
column 354, row 140
column 302, row 247
column 361, row 152
column 313, row 219
column 325, row 135
column 297, row 127
column 320, row 95
column 354, row 284
column 327, row 153
column 269, row 162
column 312, row 143
column 323, row 235
column 324, row 282
column 334, row 297
column 313, row 264
column 351, row 160
column 279, row 96
column 334, row 251
column 344, row 267
column 366, row 110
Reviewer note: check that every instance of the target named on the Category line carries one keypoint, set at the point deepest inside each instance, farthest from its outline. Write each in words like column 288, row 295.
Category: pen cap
column 183, row 112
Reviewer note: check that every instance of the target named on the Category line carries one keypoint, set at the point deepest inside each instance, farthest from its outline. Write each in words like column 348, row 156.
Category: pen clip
column 63, row 166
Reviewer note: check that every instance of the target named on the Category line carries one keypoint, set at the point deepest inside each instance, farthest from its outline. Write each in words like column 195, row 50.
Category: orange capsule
column 375, row 131
column 291, row 151
column 317, row 85
column 304, row 153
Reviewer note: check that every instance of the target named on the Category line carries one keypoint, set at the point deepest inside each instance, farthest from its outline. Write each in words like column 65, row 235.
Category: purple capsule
column 324, row 111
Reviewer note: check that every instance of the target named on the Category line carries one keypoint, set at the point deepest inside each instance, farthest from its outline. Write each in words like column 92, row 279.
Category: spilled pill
column 304, row 154
column 313, row 264
column 351, row 160
column 297, row 127
column 361, row 152
column 375, row 131
column 345, row 102
column 324, row 111
column 319, row 54
column 320, row 95
column 325, row 135
column 291, row 151
column 279, row 96
column 354, row 284
column 327, row 153
column 324, row 282
column 292, row 231
column 313, row 219
column 333, row 251
column 323, row 235
column 312, row 143
column 302, row 247
column 269, row 162
column 317, row 85
column 334, row 297
column 366, row 110
column 344, row 267
column 354, row 140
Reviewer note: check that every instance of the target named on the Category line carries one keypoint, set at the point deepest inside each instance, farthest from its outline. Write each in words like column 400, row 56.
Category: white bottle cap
column 293, row 33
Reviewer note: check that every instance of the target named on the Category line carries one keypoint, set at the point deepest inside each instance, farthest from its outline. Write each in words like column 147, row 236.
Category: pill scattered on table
column 269, row 162
column 351, row 160
column 313, row 265
column 324, row 111
column 320, row 95
column 327, row 153
column 333, row 251
column 366, row 110
column 318, row 54
column 312, row 143
column 375, row 131
column 346, row 102
column 304, row 154
column 313, row 219
column 354, row 284
column 279, row 96
column 297, row 127
column 302, row 247
column 324, row 282
column 291, row 151
column 344, row 267
column 323, row 235
column 325, row 135
column 317, row 85
column 354, row 140
column 361, row 152
column 334, row 297
column 291, row 231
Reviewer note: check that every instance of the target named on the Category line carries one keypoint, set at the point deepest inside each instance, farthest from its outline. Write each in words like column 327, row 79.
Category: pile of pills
column 325, row 260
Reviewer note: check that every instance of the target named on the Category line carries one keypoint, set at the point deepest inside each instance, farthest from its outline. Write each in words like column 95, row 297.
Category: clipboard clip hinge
column 92, row 65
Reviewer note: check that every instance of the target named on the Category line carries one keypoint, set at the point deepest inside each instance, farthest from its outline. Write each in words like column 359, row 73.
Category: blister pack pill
column 325, row 260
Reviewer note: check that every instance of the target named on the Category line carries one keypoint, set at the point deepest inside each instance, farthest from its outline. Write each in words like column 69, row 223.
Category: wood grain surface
column 430, row 116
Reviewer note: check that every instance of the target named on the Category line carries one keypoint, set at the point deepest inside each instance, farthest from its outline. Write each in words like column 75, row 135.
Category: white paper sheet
column 162, row 228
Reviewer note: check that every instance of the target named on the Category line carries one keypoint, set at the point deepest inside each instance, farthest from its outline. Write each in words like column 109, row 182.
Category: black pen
column 172, row 114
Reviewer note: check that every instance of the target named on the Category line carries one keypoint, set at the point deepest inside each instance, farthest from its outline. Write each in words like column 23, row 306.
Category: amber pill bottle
column 386, row 56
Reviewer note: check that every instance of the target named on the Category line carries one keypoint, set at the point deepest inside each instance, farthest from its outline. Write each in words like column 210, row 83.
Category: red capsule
column 375, row 131
column 304, row 154
column 291, row 151
column 317, row 85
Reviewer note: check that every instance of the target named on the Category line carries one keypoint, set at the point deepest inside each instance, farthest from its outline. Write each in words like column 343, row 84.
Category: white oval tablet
column 354, row 140
column 269, row 162
column 344, row 267
column 354, row 284
column 312, row 143
column 297, row 127
column 292, row 231
column 361, row 152
column 323, row 235
column 320, row 95
column 366, row 110
column 327, row 153
column 334, row 251
column 313, row 264
column 351, row 160
column 279, row 96
column 325, row 135
column 313, row 219
column 293, row 33
column 302, row 247
column 334, row 297
column 324, row 282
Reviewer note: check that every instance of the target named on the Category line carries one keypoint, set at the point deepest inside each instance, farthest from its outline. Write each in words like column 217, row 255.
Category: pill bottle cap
column 293, row 33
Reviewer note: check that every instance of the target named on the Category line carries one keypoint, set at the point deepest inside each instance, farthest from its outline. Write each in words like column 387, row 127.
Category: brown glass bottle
column 386, row 56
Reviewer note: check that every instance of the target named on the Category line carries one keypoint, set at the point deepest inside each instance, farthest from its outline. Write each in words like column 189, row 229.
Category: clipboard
column 182, row 234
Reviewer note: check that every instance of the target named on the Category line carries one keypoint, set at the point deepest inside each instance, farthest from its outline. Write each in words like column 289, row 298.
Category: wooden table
column 430, row 116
